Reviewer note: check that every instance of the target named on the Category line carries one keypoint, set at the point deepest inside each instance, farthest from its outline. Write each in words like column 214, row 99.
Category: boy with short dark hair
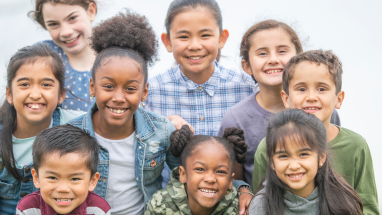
column 312, row 82
column 65, row 160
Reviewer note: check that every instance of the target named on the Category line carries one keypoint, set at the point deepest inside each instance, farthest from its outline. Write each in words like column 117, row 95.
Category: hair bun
column 179, row 138
column 236, row 137
column 126, row 30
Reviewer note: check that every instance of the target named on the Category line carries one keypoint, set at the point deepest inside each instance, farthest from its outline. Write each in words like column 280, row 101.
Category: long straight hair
column 336, row 196
column 8, row 114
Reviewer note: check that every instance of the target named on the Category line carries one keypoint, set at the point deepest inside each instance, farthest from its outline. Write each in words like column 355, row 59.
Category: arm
column 178, row 122
column 260, row 165
column 155, row 205
column 171, row 161
column 364, row 182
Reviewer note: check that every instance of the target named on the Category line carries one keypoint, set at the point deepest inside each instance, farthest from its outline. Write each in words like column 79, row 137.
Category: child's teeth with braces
column 117, row 110
column 273, row 71
column 64, row 200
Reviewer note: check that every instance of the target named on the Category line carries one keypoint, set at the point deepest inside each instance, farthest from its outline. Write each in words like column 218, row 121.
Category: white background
column 352, row 29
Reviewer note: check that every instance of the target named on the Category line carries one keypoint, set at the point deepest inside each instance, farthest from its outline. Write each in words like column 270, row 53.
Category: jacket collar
column 144, row 127
column 209, row 86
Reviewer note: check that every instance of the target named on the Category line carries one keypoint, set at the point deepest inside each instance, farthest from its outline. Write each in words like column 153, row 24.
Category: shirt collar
column 48, row 210
column 209, row 86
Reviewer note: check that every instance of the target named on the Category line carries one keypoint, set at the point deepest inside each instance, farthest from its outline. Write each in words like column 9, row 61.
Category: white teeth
column 312, row 108
column 70, row 41
column 296, row 176
column 117, row 110
column 208, row 191
column 194, row 58
column 35, row 106
column 273, row 71
column 64, row 200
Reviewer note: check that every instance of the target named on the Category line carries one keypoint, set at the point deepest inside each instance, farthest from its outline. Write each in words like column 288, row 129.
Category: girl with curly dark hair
column 134, row 142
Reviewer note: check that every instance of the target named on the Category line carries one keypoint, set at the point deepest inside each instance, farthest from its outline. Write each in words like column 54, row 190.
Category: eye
column 282, row 51
column 199, row 169
column 130, row 88
column 221, row 172
column 206, row 35
column 72, row 18
column 321, row 89
column 108, row 87
column 304, row 154
column 46, row 85
column 75, row 179
column 52, row 178
column 283, row 156
column 183, row 37
column 52, row 24
column 301, row 89
column 24, row 84
column 262, row 54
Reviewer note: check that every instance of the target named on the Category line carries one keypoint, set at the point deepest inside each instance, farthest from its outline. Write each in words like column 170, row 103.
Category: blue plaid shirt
column 201, row 105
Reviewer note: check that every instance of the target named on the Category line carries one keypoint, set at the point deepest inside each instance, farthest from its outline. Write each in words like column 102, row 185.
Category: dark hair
column 179, row 6
column 319, row 57
column 64, row 139
column 125, row 35
column 246, row 41
column 37, row 13
column 335, row 194
column 183, row 143
column 8, row 114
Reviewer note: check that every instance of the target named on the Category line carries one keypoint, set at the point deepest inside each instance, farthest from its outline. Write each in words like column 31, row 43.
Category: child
column 34, row 92
column 312, row 82
column 265, row 50
column 69, row 25
column 298, row 178
column 134, row 142
column 203, row 182
column 65, row 162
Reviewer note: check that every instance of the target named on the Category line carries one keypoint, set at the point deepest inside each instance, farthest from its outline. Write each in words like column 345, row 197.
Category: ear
column 246, row 67
column 322, row 159
column 340, row 99
column 8, row 95
column 92, row 10
column 93, row 181
column 91, row 88
column 182, row 174
column 61, row 97
column 285, row 99
column 166, row 42
column 223, row 38
column 230, row 181
column 145, row 92
column 36, row 181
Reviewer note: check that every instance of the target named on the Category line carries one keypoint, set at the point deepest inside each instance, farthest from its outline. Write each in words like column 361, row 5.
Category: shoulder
column 351, row 138
column 157, row 205
column 160, row 122
column 77, row 121
column 233, row 75
column 30, row 203
column 257, row 205
column 262, row 148
column 51, row 45
column 155, row 116
column 164, row 77
column 96, row 204
column 242, row 105
column 68, row 115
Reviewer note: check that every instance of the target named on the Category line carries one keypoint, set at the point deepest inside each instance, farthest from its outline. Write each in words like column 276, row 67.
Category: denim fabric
column 151, row 143
column 11, row 190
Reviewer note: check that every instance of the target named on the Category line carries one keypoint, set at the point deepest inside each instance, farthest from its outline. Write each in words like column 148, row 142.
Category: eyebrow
column 111, row 79
column 51, row 172
column 203, row 30
column 264, row 48
column 27, row 79
column 64, row 18
column 301, row 150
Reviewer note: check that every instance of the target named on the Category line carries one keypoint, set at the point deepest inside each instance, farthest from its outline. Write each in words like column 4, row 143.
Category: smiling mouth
column 118, row 111
column 63, row 200
column 35, row 106
column 273, row 71
column 311, row 109
column 295, row 176
column 195, row 58
column 71, row 41
column 208, row 192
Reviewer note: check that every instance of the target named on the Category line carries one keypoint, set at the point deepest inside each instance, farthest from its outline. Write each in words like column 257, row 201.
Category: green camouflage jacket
column 173, row 200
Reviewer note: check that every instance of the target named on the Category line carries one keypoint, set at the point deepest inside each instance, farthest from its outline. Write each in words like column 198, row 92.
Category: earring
column 182, row 186
column 91, row 98
column 11, row 104
column 58, row 105
column 143, row 103
column 227, row 191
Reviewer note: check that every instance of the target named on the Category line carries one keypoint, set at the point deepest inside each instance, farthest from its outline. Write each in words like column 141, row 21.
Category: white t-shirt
column 123, row 193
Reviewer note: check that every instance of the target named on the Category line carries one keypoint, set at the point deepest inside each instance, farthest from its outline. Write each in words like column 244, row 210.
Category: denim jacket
column 12, row 190
column 151, row 146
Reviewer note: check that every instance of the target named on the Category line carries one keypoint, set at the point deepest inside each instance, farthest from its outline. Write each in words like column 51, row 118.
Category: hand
column 178, row 122
column 244, row 201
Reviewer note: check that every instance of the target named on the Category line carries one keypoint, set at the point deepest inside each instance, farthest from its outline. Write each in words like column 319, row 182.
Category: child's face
column 312, row 90
column 64, row 181
column 195, row 40
column 208, row 176
column 35, row 93
column 297, row 166
column 119, row 87
column 69, row 25
column 269, row 53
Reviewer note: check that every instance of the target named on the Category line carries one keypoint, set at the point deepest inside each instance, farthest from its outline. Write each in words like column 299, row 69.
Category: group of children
column 202, row 129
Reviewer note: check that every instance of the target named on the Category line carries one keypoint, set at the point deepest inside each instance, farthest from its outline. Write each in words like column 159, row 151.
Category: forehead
column 58, row 11
column 65, row 164
column 194, row 19
column 37, row 70
column 120, row 68
column 291, row 144
column 271, row 38
column 311, row 72
column 210, row 153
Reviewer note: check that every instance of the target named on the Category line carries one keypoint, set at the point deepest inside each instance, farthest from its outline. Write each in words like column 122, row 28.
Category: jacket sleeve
column 153, row 208
column 171, row 161
column 260, row 165
column 364, row 182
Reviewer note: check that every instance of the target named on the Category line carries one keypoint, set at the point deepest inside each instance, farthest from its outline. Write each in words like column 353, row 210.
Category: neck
column 110, row 132
column 202, row 76
column 25, row 129
column 83, row 60
column 331, row 130
column 269, row 98
column 201, row 211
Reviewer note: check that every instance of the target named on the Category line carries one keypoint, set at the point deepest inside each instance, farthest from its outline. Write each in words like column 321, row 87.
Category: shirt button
column 202, row 119
column 137, row 179
column 200, row 88
column 140, row 147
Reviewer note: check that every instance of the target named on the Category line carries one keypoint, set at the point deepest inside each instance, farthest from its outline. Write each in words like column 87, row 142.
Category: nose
column 311, row 96
column 119, row 96
column 210, row 178
column 194, row 44
column 35, row 93
column 294, row 164
column 63, row 187
column 66, row 30
column 273, row 59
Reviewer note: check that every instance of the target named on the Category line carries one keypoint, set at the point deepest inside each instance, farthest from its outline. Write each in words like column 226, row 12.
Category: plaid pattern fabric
column 204, row 105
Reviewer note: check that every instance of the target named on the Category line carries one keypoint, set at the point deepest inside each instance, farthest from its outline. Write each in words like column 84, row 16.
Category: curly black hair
column 183, row 143
column 127, row 34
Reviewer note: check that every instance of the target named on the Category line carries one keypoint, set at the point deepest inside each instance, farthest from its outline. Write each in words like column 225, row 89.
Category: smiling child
column 203, row 182
column 65, row 162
